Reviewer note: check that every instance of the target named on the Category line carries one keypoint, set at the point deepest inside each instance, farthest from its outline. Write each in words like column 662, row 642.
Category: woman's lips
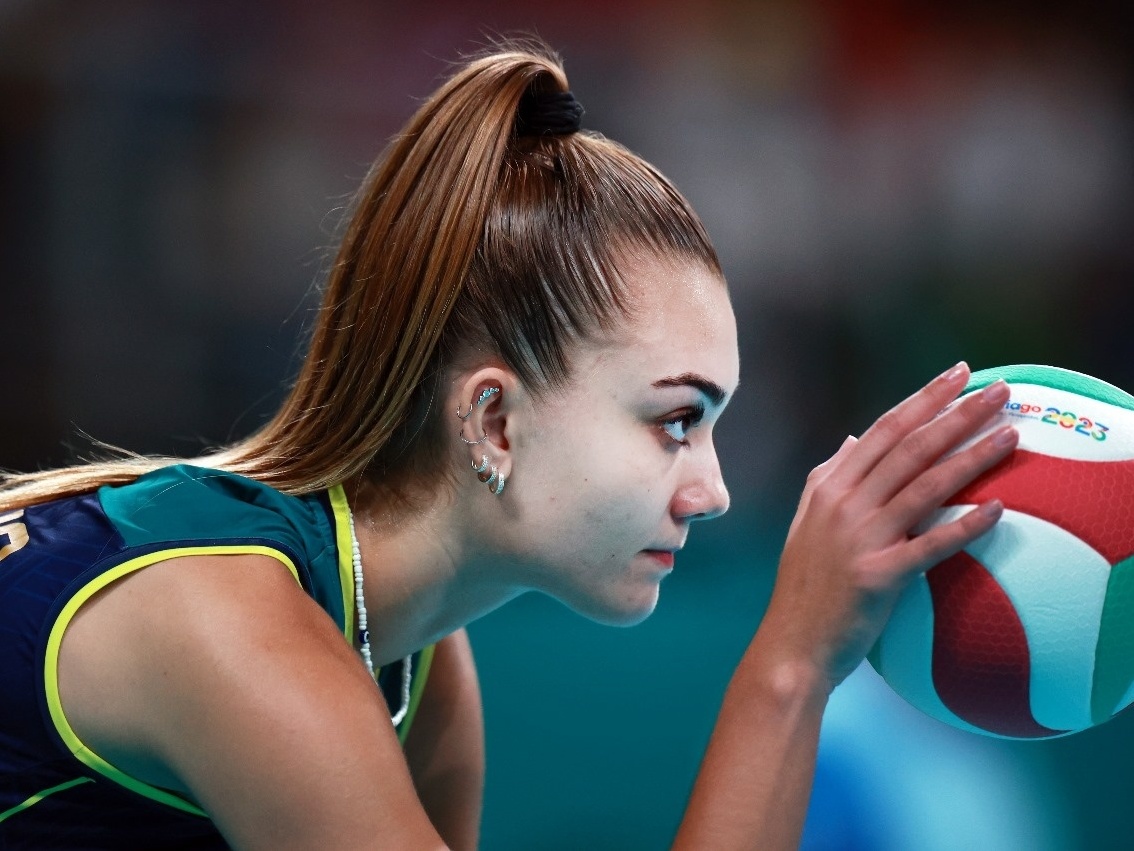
column 662, row 557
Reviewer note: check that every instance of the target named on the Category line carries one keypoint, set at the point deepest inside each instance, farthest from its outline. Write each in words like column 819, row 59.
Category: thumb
column 850, row 443
column 821, row 471
column 844, row 450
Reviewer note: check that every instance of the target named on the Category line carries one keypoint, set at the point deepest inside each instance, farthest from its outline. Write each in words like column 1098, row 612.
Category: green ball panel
column 1055, row 377
column 1114, row 654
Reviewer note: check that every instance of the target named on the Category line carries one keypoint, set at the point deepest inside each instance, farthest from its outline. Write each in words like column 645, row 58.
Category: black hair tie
column 548, row 114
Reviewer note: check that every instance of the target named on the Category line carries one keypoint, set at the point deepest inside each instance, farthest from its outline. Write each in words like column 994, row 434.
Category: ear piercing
column 484, row 396
column 495, row 480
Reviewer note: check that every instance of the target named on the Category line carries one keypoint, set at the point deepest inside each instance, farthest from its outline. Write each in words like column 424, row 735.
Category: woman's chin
column 630, row 610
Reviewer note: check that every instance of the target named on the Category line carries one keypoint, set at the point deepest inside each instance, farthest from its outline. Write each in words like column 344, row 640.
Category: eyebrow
column 714, row 391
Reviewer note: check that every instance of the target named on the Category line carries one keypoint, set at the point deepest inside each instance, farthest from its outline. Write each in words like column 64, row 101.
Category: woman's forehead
column 680, row 322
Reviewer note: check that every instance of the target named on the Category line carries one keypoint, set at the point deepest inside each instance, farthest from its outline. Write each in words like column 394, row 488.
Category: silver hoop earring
column 473, row 442
column 499, row 489
column 483, row 465
column 491, row 479
column 484, row 396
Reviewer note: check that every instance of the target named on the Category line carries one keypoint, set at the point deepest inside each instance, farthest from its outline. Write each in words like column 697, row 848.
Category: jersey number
column 13, row 533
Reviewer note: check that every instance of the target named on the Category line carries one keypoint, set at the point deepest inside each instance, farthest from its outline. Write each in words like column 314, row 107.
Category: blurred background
column 892, row 187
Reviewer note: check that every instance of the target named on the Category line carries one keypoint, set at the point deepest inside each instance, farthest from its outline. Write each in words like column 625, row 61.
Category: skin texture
column 182, row 674
column 445, row 747
column 598, row 476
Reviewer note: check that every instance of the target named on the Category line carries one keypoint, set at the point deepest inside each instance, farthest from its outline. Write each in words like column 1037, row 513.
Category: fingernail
column 992, row 508
column 996, row 392
column 955, row 372
column 1006, row 436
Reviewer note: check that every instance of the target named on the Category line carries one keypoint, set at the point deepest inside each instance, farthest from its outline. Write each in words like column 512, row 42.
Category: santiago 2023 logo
column 1056, row 417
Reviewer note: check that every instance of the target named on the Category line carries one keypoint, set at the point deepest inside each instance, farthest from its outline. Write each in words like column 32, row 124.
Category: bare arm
column 846, row 560
column 445, row 747
column 229, row 684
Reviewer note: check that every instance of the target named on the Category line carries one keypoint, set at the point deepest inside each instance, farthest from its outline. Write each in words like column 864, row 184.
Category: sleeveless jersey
column 55, row 792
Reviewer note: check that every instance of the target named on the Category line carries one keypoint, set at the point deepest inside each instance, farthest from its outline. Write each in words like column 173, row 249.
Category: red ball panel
column 1093, row 500
column 980, row 652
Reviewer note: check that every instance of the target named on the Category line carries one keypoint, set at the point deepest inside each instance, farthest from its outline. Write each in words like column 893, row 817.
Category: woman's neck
column 423, row 575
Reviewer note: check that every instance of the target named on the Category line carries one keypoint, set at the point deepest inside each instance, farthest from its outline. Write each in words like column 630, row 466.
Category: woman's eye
column 678, row 427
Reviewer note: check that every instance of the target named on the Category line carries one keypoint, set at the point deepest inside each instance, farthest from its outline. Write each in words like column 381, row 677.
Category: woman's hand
column 848, row 555
column 849, row 552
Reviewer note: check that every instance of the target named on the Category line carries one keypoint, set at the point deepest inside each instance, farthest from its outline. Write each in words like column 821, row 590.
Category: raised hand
column 848, row 555
column 850, row 551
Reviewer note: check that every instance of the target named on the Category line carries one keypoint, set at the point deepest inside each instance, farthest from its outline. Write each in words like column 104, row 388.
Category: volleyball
column 1028, row 633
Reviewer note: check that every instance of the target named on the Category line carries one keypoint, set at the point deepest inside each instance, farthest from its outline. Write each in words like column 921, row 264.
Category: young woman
column 525, row 342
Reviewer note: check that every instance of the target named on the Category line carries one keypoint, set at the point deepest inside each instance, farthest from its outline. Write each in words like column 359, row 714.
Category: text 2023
column 1082, row 425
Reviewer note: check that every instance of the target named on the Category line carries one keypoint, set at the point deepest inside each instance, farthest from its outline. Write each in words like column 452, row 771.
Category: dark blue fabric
column 69, row 542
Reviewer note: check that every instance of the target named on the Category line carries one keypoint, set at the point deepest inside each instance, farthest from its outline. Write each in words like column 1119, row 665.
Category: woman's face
column 609, row 472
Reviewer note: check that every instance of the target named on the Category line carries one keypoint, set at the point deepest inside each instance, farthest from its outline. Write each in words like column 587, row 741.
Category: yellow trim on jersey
column 51, row 662
column 424, row 662
column 343, row 544
column 39, row 796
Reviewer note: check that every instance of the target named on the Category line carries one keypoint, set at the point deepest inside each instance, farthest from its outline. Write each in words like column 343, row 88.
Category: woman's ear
column 485, row 405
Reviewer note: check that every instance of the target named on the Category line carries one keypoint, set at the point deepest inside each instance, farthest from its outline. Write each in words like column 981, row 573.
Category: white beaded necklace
column 364, row 633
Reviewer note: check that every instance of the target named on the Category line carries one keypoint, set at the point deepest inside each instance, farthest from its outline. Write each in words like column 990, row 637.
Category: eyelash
column 686, row 420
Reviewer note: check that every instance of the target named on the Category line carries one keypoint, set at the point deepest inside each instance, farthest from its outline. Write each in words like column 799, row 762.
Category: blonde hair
column 465, row 236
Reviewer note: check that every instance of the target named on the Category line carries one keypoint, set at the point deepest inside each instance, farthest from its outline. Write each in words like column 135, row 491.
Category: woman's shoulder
column 161, row 646
column 184, row 509
column 188, row 485
column 183, row 502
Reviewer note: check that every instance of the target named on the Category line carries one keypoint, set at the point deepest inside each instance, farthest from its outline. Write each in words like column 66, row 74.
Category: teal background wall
column 892, row 186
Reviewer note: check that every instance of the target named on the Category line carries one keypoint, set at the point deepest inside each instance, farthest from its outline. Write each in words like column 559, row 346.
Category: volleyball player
column 524, row 345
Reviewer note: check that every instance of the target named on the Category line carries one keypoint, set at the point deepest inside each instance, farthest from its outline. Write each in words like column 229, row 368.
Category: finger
column 925, row 446
column 921, row 553
column 930, row 490
column 899, row 421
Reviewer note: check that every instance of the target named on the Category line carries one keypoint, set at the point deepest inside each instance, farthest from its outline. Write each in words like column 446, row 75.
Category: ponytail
column 398, row 274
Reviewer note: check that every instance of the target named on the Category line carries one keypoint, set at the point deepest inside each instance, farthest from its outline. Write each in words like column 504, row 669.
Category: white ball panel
column 1071, row 442
column 1028, row 406
column 1057, row 584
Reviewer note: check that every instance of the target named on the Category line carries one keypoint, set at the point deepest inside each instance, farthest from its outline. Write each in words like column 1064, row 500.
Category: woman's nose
column 704, row 496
